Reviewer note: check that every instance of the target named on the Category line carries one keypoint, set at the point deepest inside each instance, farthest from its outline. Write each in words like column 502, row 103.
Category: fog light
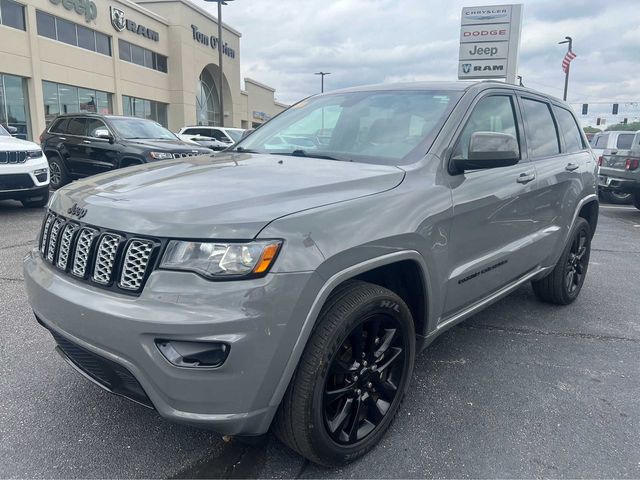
column 41, row 174
column 194, row 354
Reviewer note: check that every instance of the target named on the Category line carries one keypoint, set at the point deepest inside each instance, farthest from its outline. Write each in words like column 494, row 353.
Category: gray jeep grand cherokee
column 293, row 287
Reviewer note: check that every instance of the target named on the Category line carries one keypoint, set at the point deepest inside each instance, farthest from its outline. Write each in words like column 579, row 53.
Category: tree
column 591, row 130
column 633, row 126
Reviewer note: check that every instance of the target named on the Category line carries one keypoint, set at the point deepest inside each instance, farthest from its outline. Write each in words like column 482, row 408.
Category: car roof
column 98, row 115
column 456, row 86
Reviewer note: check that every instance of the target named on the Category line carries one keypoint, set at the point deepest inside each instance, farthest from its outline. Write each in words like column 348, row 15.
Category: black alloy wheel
column 352, row 376
column 577, row 262
column 58, row 176
column 363, row 379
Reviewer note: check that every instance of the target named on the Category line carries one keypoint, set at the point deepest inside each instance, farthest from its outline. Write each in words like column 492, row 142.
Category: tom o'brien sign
column 489, row 42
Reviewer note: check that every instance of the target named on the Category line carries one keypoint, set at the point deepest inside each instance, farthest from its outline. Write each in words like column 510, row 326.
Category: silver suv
column 293, row 288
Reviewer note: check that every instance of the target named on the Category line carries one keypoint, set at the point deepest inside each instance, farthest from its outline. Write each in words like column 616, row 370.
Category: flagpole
column 568, row 40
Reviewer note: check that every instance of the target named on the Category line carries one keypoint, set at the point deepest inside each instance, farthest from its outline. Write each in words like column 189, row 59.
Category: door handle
column 571, row 167
column 62, row 138
column 526, row 177
column 86, row 141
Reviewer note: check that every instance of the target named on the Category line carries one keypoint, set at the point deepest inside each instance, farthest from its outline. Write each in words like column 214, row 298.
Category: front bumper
column 36, row 186
column 260, row 319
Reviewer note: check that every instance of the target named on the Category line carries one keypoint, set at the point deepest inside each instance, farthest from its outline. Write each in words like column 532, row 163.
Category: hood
column 232, row 196
column 13, row 144
column 166, row 145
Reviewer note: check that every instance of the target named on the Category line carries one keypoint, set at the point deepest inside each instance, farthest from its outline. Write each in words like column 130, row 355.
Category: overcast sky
column 380, row 41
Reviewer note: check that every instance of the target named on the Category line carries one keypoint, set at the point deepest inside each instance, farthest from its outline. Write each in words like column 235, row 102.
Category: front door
column 491, row 240
column 100, row 154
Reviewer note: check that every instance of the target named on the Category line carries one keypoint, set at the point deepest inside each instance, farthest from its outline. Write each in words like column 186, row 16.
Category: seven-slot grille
column 104, row 258
column 186, row 154
column 13, row 157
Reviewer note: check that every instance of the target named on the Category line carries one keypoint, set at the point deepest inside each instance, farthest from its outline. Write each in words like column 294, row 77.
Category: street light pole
column 568, row 40
column 221, row 72
column 322, row 74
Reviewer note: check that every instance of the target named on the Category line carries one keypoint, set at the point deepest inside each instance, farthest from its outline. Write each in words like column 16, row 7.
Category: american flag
column 567, row 60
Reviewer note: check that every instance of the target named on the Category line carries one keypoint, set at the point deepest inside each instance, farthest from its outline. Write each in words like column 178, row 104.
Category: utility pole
column 569, row 41
column 221, row 76
column 322, row 74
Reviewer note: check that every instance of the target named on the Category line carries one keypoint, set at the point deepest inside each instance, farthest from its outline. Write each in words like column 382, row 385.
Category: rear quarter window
column 625, row 141
column 569, row 130
column 601, row 141
column 59, row 126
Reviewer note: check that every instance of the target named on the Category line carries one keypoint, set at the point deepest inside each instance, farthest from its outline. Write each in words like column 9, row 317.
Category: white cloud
column 374, row 41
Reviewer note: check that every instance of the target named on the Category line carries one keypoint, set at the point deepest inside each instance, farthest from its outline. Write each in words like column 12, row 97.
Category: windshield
column 235, row 135
column 134, row 128
column 388, row 127
column 3, row 132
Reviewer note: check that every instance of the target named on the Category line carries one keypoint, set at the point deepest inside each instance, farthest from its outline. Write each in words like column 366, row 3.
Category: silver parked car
column 612, row 140
column 293, row 288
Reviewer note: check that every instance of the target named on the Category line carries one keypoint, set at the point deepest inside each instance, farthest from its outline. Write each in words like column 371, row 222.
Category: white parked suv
column 216, row 138
column 612, row 140
column 24, row 171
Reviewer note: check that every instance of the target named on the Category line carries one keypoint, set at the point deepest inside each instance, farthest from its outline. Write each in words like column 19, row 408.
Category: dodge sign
column 489, row 42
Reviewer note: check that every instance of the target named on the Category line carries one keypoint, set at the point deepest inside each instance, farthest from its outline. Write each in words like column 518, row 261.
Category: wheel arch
column 589, row 210
column 367, row 270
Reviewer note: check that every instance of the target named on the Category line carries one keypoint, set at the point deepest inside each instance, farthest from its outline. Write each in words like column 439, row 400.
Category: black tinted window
column 59, row 126
column 570, row 130
column 12, row 14
column 76, row 126
column 624, row 141
column 46, row 24
column 540, row 131
column 94, row 124
column 137, row 55
column 491, row 114
column 86, row 38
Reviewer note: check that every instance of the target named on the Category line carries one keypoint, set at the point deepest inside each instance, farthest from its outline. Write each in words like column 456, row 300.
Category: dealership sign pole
column 489, row 42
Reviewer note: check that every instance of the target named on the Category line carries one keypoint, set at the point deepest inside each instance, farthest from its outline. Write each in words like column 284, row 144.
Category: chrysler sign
column 489, row 42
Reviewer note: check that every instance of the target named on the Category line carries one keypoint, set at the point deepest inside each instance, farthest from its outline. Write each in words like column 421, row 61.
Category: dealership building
column 156, row 59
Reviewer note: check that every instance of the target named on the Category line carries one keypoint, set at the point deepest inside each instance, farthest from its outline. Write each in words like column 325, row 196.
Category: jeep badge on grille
column 76, row 211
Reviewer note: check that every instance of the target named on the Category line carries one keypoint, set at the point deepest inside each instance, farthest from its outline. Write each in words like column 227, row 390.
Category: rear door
column 560, row 155
column 73, row 145
column 491, row 242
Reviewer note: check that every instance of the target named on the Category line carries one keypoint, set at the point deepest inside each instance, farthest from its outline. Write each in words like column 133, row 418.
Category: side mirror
column 12, row 130
column 103, row 134
column 489, row 150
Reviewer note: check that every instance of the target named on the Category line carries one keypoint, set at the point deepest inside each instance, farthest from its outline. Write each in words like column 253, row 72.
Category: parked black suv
column 79, row 145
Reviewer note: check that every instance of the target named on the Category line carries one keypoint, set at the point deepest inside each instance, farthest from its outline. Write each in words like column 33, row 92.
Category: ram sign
column 489, row 42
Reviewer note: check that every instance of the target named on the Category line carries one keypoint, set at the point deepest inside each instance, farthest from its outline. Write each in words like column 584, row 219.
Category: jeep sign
column 489, row 42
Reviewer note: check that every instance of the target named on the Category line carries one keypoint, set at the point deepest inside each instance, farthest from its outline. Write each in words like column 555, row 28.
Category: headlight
column 215, row 260
column 34, row 154
column 161, row 155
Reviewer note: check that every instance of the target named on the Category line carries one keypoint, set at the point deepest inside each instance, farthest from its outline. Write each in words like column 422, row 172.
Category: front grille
column 16, row 181
column 107, row 259
column 113, row 376
column 185, row 154
column 13, row 157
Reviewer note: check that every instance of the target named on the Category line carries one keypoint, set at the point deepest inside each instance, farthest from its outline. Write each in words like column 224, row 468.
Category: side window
column 491, row 114
column 190, row 131
column 218, row 135
column 60, row 126
column 76, row 126
column 570, row 130
column 94, row 124
column 601, row 141
column 624, row 141
column 540, row 130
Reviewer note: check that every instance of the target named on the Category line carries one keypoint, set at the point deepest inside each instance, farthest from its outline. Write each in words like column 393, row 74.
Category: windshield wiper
column 302, row 153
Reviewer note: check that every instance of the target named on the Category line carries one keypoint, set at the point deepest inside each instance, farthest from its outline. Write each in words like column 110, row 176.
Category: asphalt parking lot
column 522, row 389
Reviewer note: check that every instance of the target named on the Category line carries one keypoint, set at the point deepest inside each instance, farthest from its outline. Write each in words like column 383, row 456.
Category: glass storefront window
column 149, row 109
column 59, row 99
column 14, row 104
column 12, row 14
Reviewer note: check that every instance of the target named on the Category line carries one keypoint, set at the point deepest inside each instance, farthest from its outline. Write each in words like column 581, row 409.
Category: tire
column 616, row 198
column 562, row 286
column 36, row 202
column 58, row 174
column 636, row 200
column 322, row 407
